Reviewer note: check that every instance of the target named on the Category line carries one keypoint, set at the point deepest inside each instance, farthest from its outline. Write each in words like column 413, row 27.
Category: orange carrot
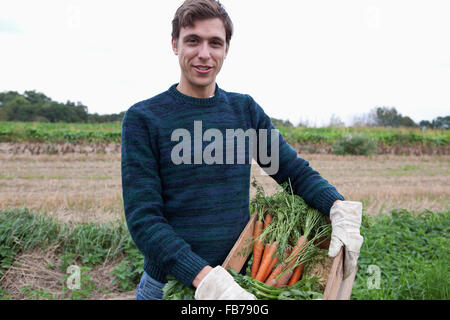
column 270, row 268
column 272, row 282
column 283, row 280
column 301, row 243
column 274, row 274
column 265, row 251
column 266, row 260
column 296, row 274
column 272, row 264
column 267, row 220
column 257, row 247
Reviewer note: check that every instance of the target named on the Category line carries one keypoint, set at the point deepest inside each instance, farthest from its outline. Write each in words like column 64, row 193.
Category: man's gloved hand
column 345, row 219
column 218, row 284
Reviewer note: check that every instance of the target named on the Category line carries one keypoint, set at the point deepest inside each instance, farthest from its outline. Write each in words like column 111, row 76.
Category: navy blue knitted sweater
column 184, row 216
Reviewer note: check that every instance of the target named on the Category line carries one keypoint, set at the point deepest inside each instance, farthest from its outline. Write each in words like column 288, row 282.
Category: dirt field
column 81, row 188
column 86, row 187
column 384, row 182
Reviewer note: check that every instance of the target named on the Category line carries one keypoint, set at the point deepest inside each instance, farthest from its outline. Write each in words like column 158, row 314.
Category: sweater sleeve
column 306, row 182
column 143, row 203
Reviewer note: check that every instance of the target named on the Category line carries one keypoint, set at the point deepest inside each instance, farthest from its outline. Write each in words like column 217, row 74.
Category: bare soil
column 37, row 148
column 81, row 188
column 35, row 275
column 404, row 150
column 382, row 182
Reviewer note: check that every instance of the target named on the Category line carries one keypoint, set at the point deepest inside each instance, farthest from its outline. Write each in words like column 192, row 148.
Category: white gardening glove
column 345, row 219
column 218, row 284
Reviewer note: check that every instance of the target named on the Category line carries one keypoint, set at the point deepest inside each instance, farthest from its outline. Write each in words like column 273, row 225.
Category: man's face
column 201, row 50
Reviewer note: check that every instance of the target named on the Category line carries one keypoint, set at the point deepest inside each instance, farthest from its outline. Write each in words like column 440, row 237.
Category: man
column 185, row 211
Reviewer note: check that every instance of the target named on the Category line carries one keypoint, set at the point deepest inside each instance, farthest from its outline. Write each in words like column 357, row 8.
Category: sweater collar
column 173, row 91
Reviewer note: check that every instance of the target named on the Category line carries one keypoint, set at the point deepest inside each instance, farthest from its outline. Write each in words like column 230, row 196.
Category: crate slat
column 235, row 260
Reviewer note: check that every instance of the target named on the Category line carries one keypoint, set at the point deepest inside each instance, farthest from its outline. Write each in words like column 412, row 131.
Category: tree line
column 378, row 117
column 36, row 106
column 390, row 117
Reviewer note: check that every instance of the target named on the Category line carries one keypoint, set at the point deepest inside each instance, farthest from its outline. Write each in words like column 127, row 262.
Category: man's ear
column 174, row 46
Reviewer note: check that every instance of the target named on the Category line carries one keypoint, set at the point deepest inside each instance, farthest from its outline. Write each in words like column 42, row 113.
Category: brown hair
column 192, row 10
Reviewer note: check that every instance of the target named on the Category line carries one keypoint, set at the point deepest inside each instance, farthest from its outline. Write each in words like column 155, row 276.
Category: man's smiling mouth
column 202, row 69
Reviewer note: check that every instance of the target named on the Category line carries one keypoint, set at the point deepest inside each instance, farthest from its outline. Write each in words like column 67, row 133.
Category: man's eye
column 192, row 41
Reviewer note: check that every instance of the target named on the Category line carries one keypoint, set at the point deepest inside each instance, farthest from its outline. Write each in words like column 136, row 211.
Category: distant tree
column 303, row 123
column 364, row 120
column 436, row 123
column 36, row 106
column 384, row 117
column 407, row 122
column 54, row 112
column 441, row 123
column 17, row 109
column 79, row 112
column 335, row 121
column 36, row 97
column 8, row 96
column 425, row 124
column 94, row 118
column 278, row 122
column 287, row 123
column 387, row 117
column 3, row 115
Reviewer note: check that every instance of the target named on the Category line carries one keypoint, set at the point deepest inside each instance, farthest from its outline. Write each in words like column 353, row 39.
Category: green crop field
column 111, row 132
column 60, row 132
column 388, row 136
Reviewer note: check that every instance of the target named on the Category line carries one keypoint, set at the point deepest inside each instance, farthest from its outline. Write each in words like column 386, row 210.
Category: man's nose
column 204, row 51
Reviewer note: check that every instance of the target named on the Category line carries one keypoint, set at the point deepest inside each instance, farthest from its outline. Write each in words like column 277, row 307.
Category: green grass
column 85, row 245
column 412, row 253
column 111, row 132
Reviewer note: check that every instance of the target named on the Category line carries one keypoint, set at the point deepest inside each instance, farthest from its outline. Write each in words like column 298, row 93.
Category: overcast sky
column 300, row 60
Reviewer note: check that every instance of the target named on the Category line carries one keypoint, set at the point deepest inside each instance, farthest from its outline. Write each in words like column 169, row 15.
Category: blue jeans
column 149, row 288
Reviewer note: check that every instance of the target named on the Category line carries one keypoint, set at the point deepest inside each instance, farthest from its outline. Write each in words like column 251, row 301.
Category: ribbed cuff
column 187, row 267
column 324, row 200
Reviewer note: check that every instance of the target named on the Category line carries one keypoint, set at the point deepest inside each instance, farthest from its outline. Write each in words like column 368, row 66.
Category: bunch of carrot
column 284, row 240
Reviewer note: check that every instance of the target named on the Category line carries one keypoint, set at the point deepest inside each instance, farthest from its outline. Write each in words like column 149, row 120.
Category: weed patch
column 86, row 246
column 411, row 252
column 404, row 256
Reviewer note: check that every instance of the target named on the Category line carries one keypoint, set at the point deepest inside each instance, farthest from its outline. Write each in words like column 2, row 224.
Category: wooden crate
column 336, row 288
